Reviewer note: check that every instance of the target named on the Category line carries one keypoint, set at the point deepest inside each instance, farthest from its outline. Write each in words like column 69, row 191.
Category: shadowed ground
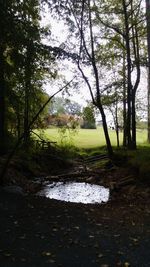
column 40, row 232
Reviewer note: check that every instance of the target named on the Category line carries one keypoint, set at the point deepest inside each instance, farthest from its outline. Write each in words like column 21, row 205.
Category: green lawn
column 88, row 138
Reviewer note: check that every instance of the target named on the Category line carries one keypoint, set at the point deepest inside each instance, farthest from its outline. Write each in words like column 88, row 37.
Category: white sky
column 59, row 36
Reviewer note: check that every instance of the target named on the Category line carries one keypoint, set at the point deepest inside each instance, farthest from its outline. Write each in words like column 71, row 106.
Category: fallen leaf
column 120, row 252
column 76, row 227
column 7, row 254
column 23, row 259
column 51, row 261
column 46, row 253
column 91, row 236
column 100, row 255
column 134, row 239
column 117, row 235
column 22, row 237
column 55, row 230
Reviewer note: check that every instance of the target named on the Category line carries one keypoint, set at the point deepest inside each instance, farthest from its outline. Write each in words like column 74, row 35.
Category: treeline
column 24, row 63
column 110, row 40
column 105, row 37
column 65, row 112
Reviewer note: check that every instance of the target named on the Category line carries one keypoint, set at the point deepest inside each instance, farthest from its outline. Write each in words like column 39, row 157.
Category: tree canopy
column 105, row 42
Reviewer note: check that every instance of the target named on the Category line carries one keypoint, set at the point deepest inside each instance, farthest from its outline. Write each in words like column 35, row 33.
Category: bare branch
column 10, row 156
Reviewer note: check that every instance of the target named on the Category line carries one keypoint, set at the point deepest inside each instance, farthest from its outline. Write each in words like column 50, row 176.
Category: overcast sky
column 59, row 36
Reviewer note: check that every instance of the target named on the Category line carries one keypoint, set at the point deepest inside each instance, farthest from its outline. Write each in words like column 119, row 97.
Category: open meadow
column 88, row 138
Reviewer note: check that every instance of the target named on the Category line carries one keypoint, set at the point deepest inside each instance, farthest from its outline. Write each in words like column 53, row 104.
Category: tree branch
column 10, row 156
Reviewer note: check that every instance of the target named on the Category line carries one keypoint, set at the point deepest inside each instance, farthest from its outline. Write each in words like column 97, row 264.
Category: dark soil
column 39, row 232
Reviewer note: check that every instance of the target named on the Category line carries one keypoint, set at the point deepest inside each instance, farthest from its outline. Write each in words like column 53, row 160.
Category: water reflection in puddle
column 76, row 192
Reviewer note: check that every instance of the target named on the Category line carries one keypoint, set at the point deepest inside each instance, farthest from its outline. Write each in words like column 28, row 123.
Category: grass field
column 88, row 138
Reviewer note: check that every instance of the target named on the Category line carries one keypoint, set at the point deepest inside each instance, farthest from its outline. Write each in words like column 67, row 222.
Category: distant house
column 63, row 120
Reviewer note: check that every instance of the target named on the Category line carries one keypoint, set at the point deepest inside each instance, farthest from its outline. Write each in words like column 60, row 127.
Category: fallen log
column 122, row 183
column 96, row 158
column 72, row 175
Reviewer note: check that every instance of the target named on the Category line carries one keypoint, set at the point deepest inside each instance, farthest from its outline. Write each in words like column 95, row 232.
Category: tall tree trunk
column 18, row 116
column 105, row 128
column 129, row 82
column 133, row 122
column 124, row 102
column 28, row 74
column 148, row 103
column 2, row 105
column 26, row 113
column 148, row 47
column 98, row 94
column 117, row 124
column 136, row 49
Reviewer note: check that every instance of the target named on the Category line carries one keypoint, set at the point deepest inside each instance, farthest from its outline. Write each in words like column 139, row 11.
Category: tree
column 148, row 50
column 24, row 62
column 61, row 105
column 120, row 24
column 4, row 24
column 89, row 52
column 127, row 30
column 88, row 118
column 112, row 101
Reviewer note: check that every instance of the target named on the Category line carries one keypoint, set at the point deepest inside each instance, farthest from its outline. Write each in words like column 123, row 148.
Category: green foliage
column 67, row 135
column 62, row 105
column 88, row 118
column 24, row 64
column 137, row 160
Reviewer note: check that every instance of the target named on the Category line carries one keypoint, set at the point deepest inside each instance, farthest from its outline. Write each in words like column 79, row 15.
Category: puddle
column 76, row 192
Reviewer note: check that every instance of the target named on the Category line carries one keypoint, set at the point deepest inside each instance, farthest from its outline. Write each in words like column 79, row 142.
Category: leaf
column 51, row 261
column 100, row 255
column 120, row 253
column 76, row 227
column 55, row 230
column 7, row 254
column 23, row 260
column 46, row 253
column 117, row 235
column 135, row 240
column 91, row 236
column 22, row 237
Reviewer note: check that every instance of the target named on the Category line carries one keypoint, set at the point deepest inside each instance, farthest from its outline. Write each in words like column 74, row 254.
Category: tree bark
column 133, row 122
column 148, row 48
column 129, row 83
column 98, row 94
column 124, row 103
column 2, row 105
column 117, row 124
column 28, row 72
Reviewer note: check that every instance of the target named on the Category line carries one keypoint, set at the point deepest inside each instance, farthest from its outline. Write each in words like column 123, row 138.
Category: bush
column 88, row 125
